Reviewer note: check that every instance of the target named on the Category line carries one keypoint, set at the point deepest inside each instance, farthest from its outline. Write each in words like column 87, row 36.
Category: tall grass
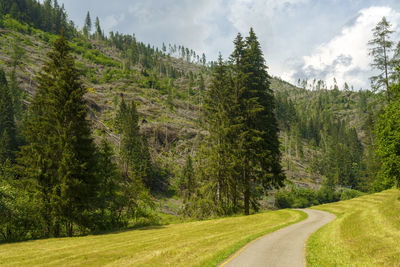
column 204, row 243
column 366, row 233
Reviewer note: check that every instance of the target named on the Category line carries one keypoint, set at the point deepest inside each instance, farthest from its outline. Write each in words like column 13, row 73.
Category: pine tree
column 8, row 143
column 60, row 155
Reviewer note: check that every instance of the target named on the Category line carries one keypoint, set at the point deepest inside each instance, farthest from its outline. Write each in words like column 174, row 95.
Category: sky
column 301, row 39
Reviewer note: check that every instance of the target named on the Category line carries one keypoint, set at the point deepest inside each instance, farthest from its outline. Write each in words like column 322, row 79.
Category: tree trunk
column 246, row 193
column 70, row 228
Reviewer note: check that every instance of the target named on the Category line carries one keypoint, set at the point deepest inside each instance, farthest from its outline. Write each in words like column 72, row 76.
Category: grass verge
column 204, row 243
column 365, row 233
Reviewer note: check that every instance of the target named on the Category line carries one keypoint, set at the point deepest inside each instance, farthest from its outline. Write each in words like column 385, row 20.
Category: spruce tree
column 110, row 200
column 60, row 155
column 256, row 125
column 8, row 141
column 87, row 28
column 219, row 119
column 99, row 33
column 239, row 114
column 134, row 151
column 187, row 182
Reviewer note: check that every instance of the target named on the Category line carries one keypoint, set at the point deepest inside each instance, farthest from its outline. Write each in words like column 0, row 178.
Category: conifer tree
column 109, row 197
column 87, row 28
column 187, row 182
column 99, row 33
column 239, row 113
column 218, row 116
column 8, row 142
column 135, row 163
column 256, row 125
column 134, row 152
column 60, row 155
column 380, row 51
column 388, row 142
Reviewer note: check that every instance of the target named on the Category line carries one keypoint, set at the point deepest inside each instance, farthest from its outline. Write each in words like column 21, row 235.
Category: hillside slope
column 169, row 95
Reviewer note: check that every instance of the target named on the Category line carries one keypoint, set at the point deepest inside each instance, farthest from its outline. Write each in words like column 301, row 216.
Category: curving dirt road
column 282, row 248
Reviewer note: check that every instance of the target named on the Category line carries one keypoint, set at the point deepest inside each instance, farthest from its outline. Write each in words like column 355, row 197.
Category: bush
column 283, row 199
column 12, row 24
column 326, row 195
column 19, row 219
column 298, row 197
column 350, row 193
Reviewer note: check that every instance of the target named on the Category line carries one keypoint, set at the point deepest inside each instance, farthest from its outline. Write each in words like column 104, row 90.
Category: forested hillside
column 159, row 131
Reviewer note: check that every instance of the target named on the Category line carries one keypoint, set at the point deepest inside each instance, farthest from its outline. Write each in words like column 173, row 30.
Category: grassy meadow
column 203, row 243
column 366, row 233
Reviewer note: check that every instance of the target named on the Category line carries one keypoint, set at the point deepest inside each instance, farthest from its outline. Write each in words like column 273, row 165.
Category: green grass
column 365, row 233
column 203, row 243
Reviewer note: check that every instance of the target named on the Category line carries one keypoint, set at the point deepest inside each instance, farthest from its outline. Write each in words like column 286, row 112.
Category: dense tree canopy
column 48, row 16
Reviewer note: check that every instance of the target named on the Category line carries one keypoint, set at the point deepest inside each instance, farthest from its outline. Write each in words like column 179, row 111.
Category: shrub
column 18, row 213
column 298, row 197
column 12, row 24
column 350, row 193
column 283, row 199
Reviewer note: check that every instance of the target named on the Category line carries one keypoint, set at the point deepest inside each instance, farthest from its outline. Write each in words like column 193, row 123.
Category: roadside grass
column 202, row 243
column 365, row 233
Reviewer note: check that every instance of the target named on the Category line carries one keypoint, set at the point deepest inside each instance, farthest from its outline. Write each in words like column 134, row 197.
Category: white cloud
column 112, row 21
column 269, row 20
column 260, row 14
column 190, row 23
column 346, row 55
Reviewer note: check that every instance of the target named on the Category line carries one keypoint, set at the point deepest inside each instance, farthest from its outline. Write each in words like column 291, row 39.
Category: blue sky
column 300, row 38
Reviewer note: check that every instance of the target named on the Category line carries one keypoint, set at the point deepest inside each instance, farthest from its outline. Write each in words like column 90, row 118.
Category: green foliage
column 47, row 16
column 243, row 155
column 336, row 149
column 388, row 139
column 110, row 198
column 134, row 151
column 60, row 155
column 8, row 142
column 350, row 193
column 19, row 219
column 98, row 58
column 299, row 197
column 187, row 180
column 12, row 24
